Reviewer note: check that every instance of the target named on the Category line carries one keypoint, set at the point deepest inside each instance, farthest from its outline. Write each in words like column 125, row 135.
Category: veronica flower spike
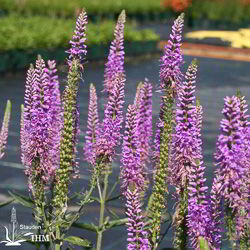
column 137, row 236
column 170, row 76
column 110, row 128
column 133, row 181
column 115, row 62
column 70, row 131
column 78, row 45
column 93, row 126
column 231, row 157
column 5, row 128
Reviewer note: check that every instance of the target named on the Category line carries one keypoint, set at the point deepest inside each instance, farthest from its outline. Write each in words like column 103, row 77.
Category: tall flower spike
column 41, row 123
column 230, row 157
column 115, row 62
column 26, row 114
column 70, row 131
column 199, row 218
column 170, row 74
column 131, row 171
column 38, row 124
column 93, row 126
column 183, row 144
column 56, row 115
column 69, row 134
column 216, row 211
column 145, row 120
column 186, row 140
column 5, row 128
column 137, row 236
column 78, row 47
column 110, row 131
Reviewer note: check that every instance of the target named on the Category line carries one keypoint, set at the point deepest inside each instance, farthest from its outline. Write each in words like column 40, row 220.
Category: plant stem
column 58, row 245
column 102, row 209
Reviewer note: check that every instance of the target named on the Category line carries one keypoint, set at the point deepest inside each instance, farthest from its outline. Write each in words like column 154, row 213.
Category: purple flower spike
column 110, row 134
column 170, row 74
column 131, row 171
column 232, row 156
column 5, row 128
column 78, row 47
column 137, row 236
column 184, row 142
column 216, row 211
column 55, row 113
column 228, row 147
column 115, row 62
column 145, row 120
column 41, row 122
column 26, row 114
column 93, row 126
column 202, row 219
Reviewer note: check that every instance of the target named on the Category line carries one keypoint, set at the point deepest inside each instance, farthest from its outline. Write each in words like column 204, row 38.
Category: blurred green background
column 30, row 24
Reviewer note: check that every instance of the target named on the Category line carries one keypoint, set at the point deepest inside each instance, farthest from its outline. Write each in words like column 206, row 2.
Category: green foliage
column 38, row 32
column 229, row 11
column 5, row 203
column 78, row 241
column 25, row 201
column 65, row 8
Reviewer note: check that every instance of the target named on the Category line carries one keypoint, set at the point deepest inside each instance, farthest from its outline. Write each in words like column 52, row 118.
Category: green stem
column 102, row 209
column 58, row 245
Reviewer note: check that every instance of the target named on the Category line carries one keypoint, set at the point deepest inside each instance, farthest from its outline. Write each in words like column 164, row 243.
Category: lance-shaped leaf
column 78, row 241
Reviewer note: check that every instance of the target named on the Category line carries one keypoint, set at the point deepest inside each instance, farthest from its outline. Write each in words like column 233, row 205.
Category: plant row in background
column 230, row 11
column 49, row 135
column 66, row 8
column 221, row 11
column 43, row 32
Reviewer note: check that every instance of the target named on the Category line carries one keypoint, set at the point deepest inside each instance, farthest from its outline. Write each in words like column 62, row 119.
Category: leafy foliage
column 43, row 32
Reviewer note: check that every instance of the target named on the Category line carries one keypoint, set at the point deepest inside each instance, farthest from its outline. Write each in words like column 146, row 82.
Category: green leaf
column 24, row 200
column 89, row 227
column 116, row 223
column 5, row 203
column 78, row 241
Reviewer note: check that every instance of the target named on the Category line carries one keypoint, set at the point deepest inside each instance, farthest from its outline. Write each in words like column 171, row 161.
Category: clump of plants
column 41, row 32
column 50, row 131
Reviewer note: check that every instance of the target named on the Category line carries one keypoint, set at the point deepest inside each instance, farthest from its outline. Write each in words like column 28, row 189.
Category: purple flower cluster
column 187, row 170
column 40, row 131
column 185, row 138
column 135, row 153
column 78, row 47
column 170, row 74
column 136, row 142
column 137, row 236
column 131, row 171
column 143, row 103
column 115, row 64
column 110, row 129
column 5, row 128
column 203, row 218
column 232, row 155
column 228, row 152
column 93, row 126
column 102, row 138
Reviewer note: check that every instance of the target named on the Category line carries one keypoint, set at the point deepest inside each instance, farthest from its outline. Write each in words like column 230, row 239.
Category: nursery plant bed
column 15, row 60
